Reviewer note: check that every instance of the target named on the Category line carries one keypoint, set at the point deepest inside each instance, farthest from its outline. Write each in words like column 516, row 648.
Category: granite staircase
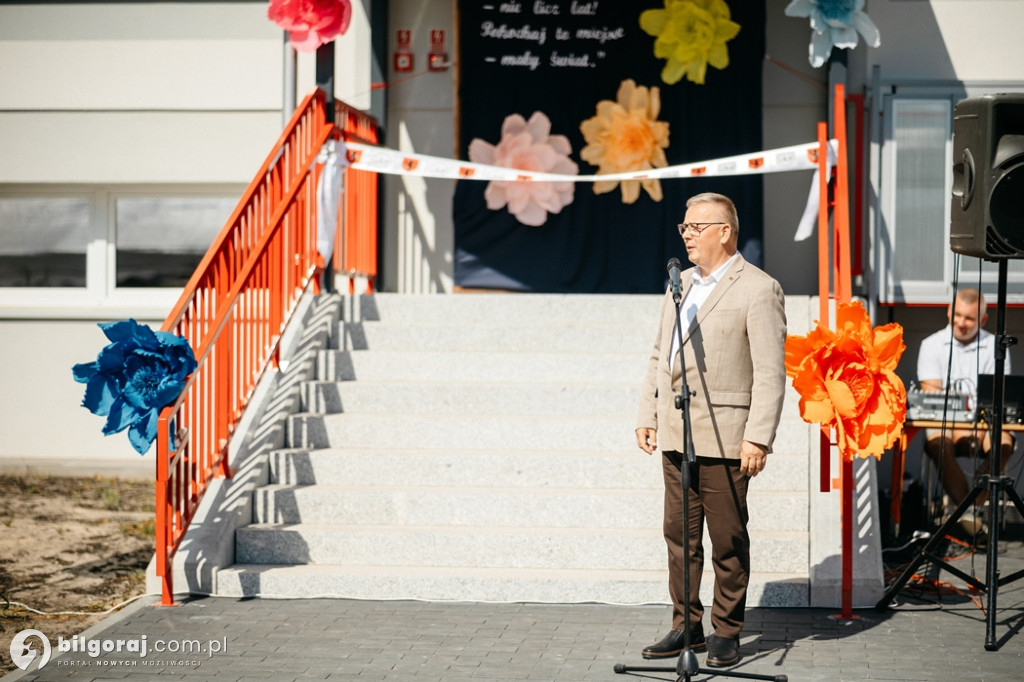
column 480, row 447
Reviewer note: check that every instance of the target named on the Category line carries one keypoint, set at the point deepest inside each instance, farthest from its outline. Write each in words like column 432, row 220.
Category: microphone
column 674, row 268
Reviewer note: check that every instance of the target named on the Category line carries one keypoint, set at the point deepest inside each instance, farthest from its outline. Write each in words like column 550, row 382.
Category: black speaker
column 987, row 216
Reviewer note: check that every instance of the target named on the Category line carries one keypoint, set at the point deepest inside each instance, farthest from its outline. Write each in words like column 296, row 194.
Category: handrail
column 356, row 253
column 233, row 311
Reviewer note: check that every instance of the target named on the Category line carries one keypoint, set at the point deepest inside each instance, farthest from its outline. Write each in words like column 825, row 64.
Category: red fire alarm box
column 437, row 60
column 403, row 62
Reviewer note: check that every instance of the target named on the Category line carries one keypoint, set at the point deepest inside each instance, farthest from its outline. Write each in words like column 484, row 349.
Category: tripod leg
column 995, row 498
column 621, row 669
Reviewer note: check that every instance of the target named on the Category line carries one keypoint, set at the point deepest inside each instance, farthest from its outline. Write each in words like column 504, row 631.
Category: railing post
column 164, row 513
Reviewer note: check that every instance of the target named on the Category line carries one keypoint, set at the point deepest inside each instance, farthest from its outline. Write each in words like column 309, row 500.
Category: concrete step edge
column 537, row 585
column 510, row 573
column 484, row 490
column 438, row 531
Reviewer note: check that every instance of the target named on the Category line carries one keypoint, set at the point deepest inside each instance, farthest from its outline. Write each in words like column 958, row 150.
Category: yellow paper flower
column 690, row 34
column 847, row 380
column 625, row 136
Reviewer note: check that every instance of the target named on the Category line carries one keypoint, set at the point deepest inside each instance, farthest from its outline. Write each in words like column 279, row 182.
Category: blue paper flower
column 834, row 22
column 134, row 377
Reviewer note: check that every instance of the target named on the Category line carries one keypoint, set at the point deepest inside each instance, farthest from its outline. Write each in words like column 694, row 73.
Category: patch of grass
column 94, row 492
column 142, row 529
column 111, row 498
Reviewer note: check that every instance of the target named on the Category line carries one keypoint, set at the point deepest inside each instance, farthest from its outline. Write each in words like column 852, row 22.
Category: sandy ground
column 69, row 545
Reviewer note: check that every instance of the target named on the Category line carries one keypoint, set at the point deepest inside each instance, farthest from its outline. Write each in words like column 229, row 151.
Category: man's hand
column 753, row 457
column 647, row 439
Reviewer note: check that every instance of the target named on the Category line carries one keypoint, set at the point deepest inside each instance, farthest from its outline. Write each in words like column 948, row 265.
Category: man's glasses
column 695, row 228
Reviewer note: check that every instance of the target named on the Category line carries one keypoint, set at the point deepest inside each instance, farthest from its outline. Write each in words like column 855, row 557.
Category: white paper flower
column 834, row 23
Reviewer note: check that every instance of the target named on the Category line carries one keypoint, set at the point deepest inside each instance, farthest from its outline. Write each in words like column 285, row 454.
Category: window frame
column 887, row 288
column 100, row 298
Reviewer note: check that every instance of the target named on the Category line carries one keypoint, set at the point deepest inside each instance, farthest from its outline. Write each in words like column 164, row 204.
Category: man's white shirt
column 968, row 360
column 700, row 290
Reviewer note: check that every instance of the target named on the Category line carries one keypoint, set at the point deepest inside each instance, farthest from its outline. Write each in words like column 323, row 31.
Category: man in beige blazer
column 734, row 335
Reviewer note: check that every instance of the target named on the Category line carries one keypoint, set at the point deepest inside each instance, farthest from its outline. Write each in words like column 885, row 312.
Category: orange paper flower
column 847, row 380
column 626, row 135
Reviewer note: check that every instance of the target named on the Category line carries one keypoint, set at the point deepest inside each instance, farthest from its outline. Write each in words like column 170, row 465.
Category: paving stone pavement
column 922, row 636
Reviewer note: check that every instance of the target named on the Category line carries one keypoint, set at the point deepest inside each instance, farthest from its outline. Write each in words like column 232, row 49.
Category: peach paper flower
column 847, row 380
column 625, row 136
column 311, row 23
column 530, row 146
column 690, row 35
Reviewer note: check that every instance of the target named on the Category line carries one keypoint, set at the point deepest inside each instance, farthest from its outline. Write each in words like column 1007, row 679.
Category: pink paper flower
column 530, row 146
column 311, row 23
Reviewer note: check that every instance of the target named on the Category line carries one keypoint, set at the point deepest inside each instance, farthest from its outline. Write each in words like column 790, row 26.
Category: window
column 43, row 241
column 160, row 240
column 913, row 261
column 83, row 249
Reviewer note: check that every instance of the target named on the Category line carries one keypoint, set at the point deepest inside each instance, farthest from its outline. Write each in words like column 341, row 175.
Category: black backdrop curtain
column 597, row 244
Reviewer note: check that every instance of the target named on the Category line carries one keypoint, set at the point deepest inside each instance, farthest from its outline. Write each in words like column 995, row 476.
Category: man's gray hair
column 725, row 202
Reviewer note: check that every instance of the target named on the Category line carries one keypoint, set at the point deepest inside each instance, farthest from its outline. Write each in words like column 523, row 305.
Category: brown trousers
column 718, row 494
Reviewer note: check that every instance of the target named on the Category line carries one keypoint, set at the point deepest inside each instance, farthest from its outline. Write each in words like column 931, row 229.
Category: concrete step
column 509, row 309
column 400, row 397
column 565, row 469
column 451, row 431
column 497, row 507
column 454, row 431
column 511, row 547
column 527, row 336
column 481, row 584
column 536, row 367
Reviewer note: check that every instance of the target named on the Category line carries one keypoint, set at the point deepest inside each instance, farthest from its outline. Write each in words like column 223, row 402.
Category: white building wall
column 156, row 96
column 794, row 99
column 965, row 40
column 97, row 93
column 45, row 429
column 417, row 213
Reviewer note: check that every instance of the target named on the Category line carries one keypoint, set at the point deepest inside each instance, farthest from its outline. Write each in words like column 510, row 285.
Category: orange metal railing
column 356, row 252
column 233, row 311
column 835, row 261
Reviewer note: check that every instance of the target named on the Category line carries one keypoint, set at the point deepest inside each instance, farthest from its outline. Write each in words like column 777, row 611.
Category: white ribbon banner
column 392, row 162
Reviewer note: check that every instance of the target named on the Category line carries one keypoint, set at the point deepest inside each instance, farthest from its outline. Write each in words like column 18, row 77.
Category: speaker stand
column 997, row 484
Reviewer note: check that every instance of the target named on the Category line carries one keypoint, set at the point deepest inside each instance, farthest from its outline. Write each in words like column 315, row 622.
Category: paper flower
column 690, row 34
column 529, row 146
column 624, row 136
column 834, row 22
column 847, row 380
column 134, row 377
column 311, row 23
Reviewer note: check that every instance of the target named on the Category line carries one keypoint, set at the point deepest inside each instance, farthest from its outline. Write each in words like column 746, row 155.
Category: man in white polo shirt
column 966, row 350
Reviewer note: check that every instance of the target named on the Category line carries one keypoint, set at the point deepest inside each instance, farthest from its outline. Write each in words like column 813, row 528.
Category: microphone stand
column 687, row 665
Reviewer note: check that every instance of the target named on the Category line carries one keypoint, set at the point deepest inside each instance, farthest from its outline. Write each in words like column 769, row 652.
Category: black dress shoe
column 672, row 644
column 723, row 651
